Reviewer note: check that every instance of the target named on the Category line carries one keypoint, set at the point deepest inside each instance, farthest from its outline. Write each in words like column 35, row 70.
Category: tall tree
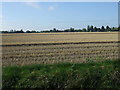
column 91, row 29
column 72, row 29
column 95, row 29
column 54, row 30
column 102, row 29
column 21, row 31
column 107, row 29
column 88, row 28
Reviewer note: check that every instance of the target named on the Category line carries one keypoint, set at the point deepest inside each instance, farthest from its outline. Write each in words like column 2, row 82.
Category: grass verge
column 105, row 74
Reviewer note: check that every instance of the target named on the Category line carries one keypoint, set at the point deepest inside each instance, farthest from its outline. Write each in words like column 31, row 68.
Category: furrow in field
column 64, row 43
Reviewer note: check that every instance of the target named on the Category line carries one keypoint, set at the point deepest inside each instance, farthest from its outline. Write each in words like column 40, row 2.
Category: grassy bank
column 65, row 75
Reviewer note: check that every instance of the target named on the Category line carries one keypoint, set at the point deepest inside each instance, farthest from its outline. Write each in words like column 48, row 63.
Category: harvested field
column 43, row 48
column 35, row 38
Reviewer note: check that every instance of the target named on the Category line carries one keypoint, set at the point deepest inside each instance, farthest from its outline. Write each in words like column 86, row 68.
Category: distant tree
column 4, row 32
column 72, row 29
column 102, row 29
column 54, row 30
column 107, row 29
column 28, row 31
column 33, row 31
column 66, row 30
column 95, row 29
column 21, row 31
column 88, row 28
column 114, row 29
column 79, row 30
column 98, row 29
column 91, row 29
column 84, row 30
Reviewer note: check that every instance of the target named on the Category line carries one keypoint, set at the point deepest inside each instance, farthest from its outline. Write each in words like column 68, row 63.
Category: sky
column 60, row 15
column 60, row 0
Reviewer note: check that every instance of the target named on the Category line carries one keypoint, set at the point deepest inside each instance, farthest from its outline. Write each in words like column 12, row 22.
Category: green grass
column 105, row 74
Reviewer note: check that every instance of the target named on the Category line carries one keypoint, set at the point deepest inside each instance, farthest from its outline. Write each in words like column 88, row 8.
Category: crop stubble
column 21, row 49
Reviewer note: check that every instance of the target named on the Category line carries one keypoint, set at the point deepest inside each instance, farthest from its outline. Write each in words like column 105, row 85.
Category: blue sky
column 60, row 15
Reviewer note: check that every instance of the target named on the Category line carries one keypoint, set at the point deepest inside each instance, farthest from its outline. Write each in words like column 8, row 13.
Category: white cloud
column 33, row 4
column 50, row 8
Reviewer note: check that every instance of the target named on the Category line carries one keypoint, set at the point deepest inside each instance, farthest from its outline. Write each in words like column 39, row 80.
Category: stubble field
column 43, row 48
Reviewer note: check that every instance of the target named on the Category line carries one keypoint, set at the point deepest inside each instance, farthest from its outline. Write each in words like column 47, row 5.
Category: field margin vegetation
column 104, row 74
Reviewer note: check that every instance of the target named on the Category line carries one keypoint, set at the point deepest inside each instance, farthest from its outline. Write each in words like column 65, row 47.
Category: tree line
column 88, row 29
